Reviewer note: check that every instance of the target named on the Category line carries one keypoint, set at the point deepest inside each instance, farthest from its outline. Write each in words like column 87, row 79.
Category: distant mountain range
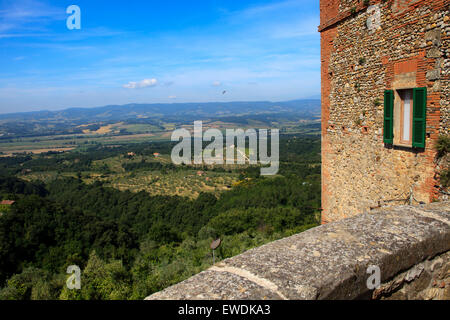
column 309, row 107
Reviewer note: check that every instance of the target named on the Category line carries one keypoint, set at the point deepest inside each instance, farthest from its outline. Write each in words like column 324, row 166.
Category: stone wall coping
column 326, row 262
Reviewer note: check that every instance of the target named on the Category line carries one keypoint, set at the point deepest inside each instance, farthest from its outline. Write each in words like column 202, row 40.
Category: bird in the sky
column 224, row 92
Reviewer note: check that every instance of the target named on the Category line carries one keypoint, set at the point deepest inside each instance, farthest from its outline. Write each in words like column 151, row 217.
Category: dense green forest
column 129, row 245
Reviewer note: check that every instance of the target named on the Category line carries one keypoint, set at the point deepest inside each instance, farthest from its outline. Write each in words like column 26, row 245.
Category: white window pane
column 406, row 116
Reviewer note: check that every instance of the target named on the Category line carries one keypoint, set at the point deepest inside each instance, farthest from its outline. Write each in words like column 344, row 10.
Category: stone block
column 434, row 75
column 435, row 265
column 434, row 52
column 414, row 272
column 434, row 36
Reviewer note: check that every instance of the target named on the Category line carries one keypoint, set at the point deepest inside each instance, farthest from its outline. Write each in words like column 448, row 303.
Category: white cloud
column 298, row 29
column 270, row 8
column 146, row 83
column 217, row 83
column 172, row 97
column 28, row 15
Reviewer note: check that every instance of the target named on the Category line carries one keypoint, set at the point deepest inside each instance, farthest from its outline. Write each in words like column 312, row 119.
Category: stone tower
column 385, row 101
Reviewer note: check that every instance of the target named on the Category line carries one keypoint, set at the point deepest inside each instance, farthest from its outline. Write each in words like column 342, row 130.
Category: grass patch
column 443, row 145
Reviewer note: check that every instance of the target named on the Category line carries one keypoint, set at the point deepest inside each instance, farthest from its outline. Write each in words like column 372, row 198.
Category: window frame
column 394, row 114
column 401, row 94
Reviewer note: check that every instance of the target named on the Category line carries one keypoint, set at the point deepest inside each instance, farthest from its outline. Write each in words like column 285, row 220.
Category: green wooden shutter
column 419, row 117
column 388, row 136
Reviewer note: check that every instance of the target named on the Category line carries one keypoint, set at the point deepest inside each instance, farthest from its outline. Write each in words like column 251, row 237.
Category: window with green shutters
column 388, row 117
column 419, row 117
column 396, row 131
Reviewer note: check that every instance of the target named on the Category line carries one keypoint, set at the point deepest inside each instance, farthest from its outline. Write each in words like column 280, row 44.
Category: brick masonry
column 389, row 44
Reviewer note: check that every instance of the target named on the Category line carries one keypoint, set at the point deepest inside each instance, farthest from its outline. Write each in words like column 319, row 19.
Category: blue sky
column 140, row 51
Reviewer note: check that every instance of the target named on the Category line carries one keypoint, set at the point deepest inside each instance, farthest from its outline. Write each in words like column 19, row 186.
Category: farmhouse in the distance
column 7, row 202
column 385, row 102
column 5, row 206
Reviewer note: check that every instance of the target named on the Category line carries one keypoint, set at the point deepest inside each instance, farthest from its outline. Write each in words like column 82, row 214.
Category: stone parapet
column 409, row 244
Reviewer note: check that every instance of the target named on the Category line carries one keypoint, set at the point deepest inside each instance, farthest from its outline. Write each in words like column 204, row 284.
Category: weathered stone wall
column 410, row 245
column 366, row 50
column 428, row 280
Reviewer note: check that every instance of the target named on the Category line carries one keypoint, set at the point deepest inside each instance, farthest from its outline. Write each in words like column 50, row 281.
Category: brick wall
column 406, row 44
